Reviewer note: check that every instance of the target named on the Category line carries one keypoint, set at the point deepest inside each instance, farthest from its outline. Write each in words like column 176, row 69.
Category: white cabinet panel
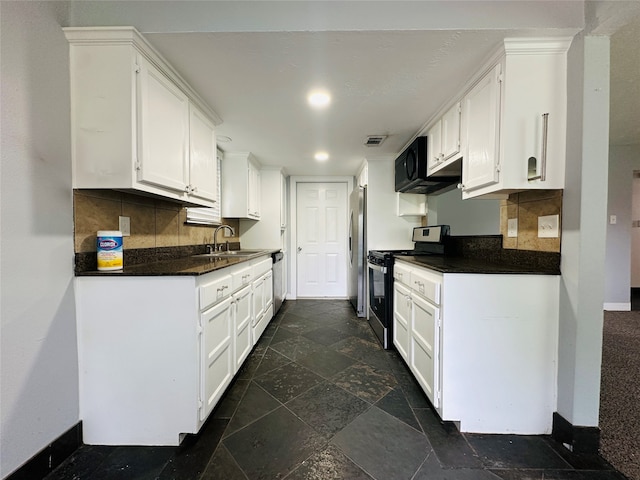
column 203, row 171
column 163, row 137
column 486, row 356
column 506, row 114
column 157, row 369
column 240, row 186
column 443, row 142
column 424, row 361
column 401, row 319
column 482, row 114
column 242, row 325
column 269, row 231
column 217, row 354
column 131, row 119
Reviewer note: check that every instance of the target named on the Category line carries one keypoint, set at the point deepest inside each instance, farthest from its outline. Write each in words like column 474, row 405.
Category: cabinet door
column 242, row 325
column 217, row 358
column 482, row 117
column 450, row 143
column 283, row 201
column 424, row 346
column 401, row 319
column 258, row 300
column 268, row 290
column 434, row 145
column 254, row 191
column 163, row 130
column 203, row 172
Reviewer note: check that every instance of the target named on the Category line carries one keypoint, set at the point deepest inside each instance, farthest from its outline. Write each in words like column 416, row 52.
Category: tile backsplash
column 154, row 222
column 526, row 207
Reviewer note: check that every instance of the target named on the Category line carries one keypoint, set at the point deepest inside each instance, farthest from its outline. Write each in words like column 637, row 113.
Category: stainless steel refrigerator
column 358, row 251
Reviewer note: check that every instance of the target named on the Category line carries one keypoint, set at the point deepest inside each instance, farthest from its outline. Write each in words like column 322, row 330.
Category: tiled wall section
column 527, row 207
column 154, row 222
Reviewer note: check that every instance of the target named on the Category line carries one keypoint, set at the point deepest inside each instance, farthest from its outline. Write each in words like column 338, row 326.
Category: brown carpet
column 620, row 392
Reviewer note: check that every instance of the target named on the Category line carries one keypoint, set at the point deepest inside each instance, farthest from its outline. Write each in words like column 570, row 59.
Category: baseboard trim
column 50, row 457
column 577, row 439
column 618, row 307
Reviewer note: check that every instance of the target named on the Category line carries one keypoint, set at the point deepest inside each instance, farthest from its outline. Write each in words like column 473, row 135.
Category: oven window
column 376, row 293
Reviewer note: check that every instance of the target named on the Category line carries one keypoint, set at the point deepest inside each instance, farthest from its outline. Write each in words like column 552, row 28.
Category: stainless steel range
column 427, row 241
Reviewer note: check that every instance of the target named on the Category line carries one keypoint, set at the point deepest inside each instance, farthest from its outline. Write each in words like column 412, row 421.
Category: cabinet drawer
column 426, row 284
column 215, row 290
column 402, row 273
column 261, row 267
column 242, row 276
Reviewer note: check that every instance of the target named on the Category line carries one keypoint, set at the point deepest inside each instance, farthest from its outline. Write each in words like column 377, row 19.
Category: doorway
column 296, row 273
column 320, row 239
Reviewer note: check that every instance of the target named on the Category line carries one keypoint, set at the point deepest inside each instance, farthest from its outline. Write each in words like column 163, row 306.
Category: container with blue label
column 109, row 247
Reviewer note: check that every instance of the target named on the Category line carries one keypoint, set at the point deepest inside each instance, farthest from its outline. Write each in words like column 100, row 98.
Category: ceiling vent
column 375, row 140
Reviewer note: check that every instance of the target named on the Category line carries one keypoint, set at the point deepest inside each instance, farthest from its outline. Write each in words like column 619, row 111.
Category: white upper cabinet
column 203, row 171
column 269, row 231
column 514, row 120
column 443, row 142
column 136, row 125
column 241, row 186
column 482, row 114
column 163, row 129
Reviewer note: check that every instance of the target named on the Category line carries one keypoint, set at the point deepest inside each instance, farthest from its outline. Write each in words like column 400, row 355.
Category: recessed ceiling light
column 319, row 98
column 322, row 156
column 223, row 138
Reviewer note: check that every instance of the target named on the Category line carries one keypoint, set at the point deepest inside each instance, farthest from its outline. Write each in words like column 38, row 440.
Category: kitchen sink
column 231, row 253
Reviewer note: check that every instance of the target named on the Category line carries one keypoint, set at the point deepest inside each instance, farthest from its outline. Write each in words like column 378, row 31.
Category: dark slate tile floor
column 318, row 398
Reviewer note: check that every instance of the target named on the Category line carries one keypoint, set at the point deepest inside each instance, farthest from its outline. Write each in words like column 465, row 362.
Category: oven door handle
column 378, row 268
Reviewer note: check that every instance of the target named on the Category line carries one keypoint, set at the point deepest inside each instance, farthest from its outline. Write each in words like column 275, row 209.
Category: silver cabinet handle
column 543, row 160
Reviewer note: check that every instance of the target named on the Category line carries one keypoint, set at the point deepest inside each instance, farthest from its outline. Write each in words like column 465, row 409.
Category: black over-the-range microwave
column 411, row 171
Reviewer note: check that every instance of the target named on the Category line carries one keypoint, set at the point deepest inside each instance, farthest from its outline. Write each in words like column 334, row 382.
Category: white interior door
column 322, row 239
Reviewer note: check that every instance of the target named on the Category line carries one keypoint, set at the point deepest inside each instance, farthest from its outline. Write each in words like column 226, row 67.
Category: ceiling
column 388, row 82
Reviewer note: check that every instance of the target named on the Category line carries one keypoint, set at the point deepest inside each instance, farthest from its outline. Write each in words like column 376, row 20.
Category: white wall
column 623, row 160
column 584, row 231
column 385, row 229
column 39, row 362
column 635, row 232
column 466, row 217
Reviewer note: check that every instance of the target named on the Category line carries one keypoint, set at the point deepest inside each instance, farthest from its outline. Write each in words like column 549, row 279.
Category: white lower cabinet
column 262, row 298
column 401, row 319
column 242, row 323
column 417, row 325
column 218, row 363
column 157, row 353
column 424, row 346
column 483, row 347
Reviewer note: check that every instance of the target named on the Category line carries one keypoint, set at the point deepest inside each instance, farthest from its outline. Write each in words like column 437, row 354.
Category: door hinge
column 498, row 168
column 136, row 68
column 138, row 166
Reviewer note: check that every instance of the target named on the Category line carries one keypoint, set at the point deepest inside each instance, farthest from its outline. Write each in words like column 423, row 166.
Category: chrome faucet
column 215, row 236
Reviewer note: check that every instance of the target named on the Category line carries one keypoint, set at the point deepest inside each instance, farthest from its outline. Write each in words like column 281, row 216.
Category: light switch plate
column 125, row 226
column 548, row 226
column 227, row 233
column 512, row 227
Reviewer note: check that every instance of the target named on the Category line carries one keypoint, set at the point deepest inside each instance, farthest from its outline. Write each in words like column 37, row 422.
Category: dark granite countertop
column 448, row 264
column 189, row 265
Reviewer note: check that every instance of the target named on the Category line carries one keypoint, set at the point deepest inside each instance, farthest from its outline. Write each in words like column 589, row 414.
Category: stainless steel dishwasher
column 278, row 274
